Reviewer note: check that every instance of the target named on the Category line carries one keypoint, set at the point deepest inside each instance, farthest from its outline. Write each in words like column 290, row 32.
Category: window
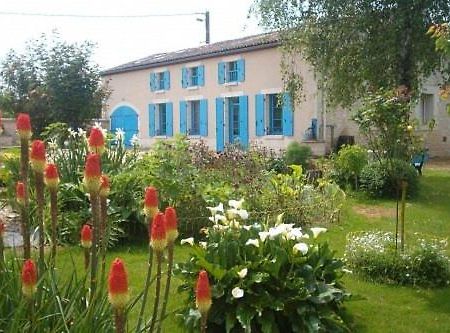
column 193, row 76
column 160, row 81
column 231, row 71
column 275, row 114
column 161, row 119
column 194, row 118
column 426, row 108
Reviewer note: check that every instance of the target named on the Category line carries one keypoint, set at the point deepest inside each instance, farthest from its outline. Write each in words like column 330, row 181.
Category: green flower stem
column 2, row 256
column 24, row 160
column 146, row 287
column 39, row 180
column 167, row 288
column 203, row 322
column 87, row 255
column 95, row 240
column 54, row 216
column 103, row 233
column 154, row 318
column 120, row 320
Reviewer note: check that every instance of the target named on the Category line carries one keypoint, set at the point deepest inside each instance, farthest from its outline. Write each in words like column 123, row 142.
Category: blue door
column 125, row 118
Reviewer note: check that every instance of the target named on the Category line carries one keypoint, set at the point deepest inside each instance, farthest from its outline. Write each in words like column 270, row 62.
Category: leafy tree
column 358, row 46
column 54, row 81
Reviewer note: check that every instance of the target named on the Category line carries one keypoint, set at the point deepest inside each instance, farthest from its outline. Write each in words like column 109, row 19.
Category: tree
column 359, row 46
column 54, row 81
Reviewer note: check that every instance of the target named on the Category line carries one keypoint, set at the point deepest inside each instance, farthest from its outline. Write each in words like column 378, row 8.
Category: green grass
column 378, row 308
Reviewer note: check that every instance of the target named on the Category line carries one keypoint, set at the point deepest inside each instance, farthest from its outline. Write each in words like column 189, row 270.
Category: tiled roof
column 233, row 46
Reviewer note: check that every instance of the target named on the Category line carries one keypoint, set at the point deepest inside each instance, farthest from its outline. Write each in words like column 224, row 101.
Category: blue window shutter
column 151, row 119
column 201, row 75
column 288, row 115
column 221, row 72
column 241, row 70
column 219, row 124
column 204, row 117
column 169, row 119
column 166, row 80
column 152, row 81
column 260, row 114
column 243, row 121
column 183, row 117
column 184, row 77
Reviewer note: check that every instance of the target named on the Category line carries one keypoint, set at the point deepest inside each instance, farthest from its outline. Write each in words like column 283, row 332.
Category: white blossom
column 203, row 244
column 135, row 141
column 317, row 231
column 263, row 235
column 253, row 242
column 237, row 292
column 300, row 247
column 120, row 134
column 72, row 133
column 236, row 204
column 217, row 218
column 189, row 241
column 243, row 273
column 216, row 209
column 81, row 132
column 295, row 233
column 247, row 227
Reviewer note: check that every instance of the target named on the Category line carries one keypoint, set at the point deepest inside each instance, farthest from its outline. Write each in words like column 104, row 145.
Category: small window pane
column 194, row 76
column 161, row 81
column 426, row 108
column 195, row 118
column 275, row 115
column 162, row 119
column 232, row 74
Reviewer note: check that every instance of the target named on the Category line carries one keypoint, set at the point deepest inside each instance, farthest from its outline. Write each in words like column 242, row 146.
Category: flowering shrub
column 373, row 255
column 265, row 277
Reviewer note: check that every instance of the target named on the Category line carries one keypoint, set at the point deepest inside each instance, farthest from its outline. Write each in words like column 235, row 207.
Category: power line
column 98, row 16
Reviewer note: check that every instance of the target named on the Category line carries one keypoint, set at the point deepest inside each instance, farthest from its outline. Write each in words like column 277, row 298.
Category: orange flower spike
column 118, row 294
column 104, row 186
column 23, row 126
column 29, row 278
column 171, row 224
column 151, row 202
column 92, row 173
column 203, row 293
column 158, row 236
column 37, row 156
column 86, row 236
column 96, row 141
column 20, row 193
column 51, row 176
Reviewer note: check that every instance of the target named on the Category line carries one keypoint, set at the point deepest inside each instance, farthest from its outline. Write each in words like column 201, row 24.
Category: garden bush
column 382, row 179
column 266, row 277
column 373, row 256
column 298, row 154
column 349, row 162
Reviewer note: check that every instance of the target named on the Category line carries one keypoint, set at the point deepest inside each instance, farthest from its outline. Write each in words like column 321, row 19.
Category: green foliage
column 384, row 121
column 52, row 81
column 342, row 39
column 265, row 278
column 349, row 162
column 298, row 154
column 373, row 255
column 382, row 179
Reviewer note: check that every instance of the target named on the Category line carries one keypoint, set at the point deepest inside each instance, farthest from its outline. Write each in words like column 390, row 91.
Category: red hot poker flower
column 92, row 173
column 20, row 193
column 23, row 126
column 158, row 237
column 37, row 156
column 171, row 224
column 96, row 141
column 104, row 186
column 118, row 294
column 151, row 202
column 203, row 293
column 51, row 176
column 86, row 236
column 29, row 278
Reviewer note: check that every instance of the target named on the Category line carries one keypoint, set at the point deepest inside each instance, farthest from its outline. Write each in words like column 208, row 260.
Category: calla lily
column 300, row 247
column 189, row 241
column 243, row 273
column 237, row 292
column 253, row 242
column 317, row 231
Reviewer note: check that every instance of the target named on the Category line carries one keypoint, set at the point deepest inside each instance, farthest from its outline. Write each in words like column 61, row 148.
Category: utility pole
column 207, row 27
column 206, row 19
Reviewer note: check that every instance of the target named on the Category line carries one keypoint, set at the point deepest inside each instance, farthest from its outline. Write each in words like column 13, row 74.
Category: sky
column 120, row 40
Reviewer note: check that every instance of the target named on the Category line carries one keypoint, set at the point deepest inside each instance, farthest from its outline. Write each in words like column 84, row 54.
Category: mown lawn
column 378, row 308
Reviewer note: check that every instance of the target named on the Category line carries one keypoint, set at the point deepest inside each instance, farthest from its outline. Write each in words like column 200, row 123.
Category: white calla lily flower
column 189, row 241
column 237, row 292
column 300, row 247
